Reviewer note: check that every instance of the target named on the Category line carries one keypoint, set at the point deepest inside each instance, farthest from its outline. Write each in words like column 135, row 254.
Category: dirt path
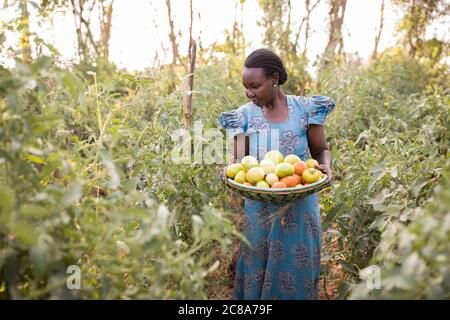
column 221, row 281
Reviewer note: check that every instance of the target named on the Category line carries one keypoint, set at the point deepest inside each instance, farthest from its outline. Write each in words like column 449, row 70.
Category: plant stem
column 99, row 119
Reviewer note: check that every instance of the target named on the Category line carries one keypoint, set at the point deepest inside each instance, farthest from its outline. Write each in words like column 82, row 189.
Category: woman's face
column 258, row 88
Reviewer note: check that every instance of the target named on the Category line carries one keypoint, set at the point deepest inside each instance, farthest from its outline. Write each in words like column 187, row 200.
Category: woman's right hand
column 326, row 170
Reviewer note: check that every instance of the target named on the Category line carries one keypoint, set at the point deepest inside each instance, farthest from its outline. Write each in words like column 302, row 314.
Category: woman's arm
column 319, row 149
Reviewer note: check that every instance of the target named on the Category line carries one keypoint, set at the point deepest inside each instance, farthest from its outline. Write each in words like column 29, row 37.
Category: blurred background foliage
column 86, row 176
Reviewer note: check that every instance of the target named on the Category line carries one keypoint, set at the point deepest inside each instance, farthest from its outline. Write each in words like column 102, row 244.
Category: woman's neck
column 277, row 102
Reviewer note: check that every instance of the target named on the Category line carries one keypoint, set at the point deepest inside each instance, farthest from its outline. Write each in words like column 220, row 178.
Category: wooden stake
column 241, row 147
column 190, row 86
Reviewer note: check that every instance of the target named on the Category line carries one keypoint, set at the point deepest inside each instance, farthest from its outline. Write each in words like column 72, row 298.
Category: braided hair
column 269, row 61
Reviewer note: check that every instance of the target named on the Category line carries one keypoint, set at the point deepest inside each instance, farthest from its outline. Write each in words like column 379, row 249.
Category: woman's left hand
column 326, row 170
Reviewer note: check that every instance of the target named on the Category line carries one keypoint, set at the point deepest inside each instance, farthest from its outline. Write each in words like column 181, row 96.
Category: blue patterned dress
column 282, row 260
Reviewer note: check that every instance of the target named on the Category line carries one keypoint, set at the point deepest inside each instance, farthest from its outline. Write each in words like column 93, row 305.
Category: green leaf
column 378, row 223
column 394, row 210
column 24, row 233
column 35, row 159
column 50, row 168
column 38, row 258
column 13, row 101
column 35, row 5
column 35, row 211
column 52, row 49
column 380, row 167
column 7, row 201
column 72, row 83
column 417, row 188
column 3, row 254
column 41, row 63
column 2, row 38
column 377, row 176
column 69, row 84
column 348, row 267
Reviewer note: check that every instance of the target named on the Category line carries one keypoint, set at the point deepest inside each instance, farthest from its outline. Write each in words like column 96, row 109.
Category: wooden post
column 377, row 38
column 25, row 37
column 241, row 147
column 190, row 86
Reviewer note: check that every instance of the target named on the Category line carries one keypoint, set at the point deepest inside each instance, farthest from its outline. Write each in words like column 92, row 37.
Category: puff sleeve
column 318, row 109
column 234, row 120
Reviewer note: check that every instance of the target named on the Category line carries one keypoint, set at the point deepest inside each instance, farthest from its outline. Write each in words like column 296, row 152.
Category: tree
column 335, row 43
column 380, row 29
column 309, row 10
column 25, row 28
column 234, row 45
column 83, row 28
column 20, row 24
column 336, row 14
column 105, row 11
column 419, row 14
column 88, row 47
column 172, row 37
column 279, row 36
column 276, row 31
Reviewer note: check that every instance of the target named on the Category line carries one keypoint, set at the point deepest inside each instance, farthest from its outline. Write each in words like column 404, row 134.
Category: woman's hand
column 320, row 150
column 326, row 170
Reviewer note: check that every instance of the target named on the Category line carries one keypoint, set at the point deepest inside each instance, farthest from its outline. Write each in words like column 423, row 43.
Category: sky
column 140, row 28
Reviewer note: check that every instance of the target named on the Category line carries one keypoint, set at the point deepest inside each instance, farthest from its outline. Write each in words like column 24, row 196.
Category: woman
column 283, row 259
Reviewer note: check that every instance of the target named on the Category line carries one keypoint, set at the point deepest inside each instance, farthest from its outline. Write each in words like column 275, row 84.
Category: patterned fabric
column 283, row 258
column 234, row 120
column 289, row 142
